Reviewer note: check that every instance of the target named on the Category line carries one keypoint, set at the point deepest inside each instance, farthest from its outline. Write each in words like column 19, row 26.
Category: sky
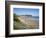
column 26, row 11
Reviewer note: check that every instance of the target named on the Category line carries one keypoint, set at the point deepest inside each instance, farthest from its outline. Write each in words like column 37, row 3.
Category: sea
column 33, row 18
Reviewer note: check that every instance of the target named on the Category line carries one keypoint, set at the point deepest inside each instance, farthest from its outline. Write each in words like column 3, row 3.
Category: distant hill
column 28, row 16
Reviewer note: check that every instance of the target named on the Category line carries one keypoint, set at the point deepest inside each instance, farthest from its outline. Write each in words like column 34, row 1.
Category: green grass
column 19, row 25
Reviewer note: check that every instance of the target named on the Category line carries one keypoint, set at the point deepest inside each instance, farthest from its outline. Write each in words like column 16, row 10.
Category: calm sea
column 33, row 18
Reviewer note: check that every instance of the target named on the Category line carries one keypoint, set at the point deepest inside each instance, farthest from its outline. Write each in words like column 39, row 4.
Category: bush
column 15, row 18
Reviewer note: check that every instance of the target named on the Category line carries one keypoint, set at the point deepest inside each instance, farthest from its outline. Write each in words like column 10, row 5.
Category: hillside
column 25, row 23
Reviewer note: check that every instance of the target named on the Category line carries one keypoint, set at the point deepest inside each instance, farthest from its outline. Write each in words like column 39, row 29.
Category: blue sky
column 26, row 11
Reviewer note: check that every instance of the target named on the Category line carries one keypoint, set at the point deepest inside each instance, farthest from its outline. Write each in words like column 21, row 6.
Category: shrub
column 15, row 18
